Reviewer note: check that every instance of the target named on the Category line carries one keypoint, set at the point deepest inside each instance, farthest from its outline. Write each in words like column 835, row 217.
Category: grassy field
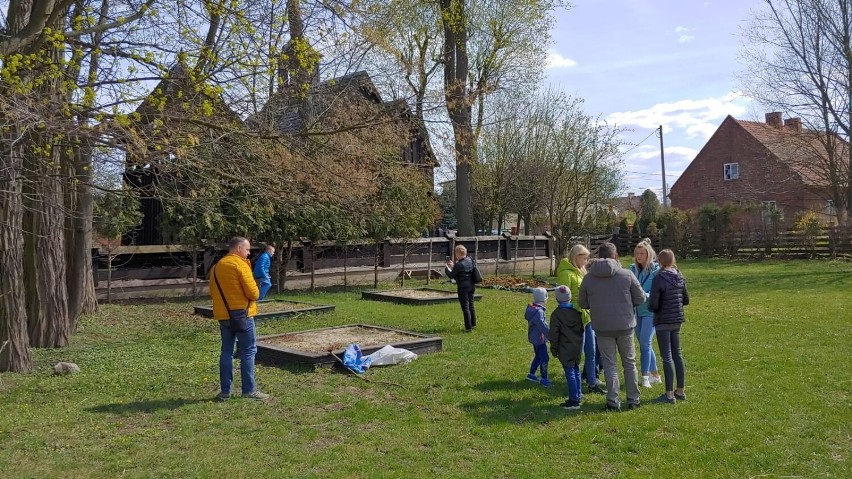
column 769, row 395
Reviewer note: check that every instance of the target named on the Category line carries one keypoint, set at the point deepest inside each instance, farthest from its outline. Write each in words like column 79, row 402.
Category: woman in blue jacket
column 645, row 267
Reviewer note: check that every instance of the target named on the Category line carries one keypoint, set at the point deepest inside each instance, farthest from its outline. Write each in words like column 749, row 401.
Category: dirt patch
column 333, row 339
column 513, row 282
column 419, row 294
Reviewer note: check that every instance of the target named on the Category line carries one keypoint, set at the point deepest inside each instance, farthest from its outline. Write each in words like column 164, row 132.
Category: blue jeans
column 590, row 365
column 573, row 378
column 645, row 333
column 247, row 348
column 540, row 360
column 263, row 284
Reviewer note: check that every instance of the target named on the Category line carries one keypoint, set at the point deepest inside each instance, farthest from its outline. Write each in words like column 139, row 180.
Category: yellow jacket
column 568, row 275
column 237, row 282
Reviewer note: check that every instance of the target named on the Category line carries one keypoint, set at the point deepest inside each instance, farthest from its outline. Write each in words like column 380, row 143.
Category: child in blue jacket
column 537, row 333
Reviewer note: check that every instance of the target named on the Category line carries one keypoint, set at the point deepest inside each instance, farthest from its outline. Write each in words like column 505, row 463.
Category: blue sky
column 644, row 63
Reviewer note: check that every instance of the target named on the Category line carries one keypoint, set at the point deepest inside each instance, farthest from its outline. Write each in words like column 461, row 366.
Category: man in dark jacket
column 610, row 292
column 462, row 271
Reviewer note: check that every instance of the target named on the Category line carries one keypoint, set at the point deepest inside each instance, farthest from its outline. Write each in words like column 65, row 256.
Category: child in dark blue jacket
column 537, row 333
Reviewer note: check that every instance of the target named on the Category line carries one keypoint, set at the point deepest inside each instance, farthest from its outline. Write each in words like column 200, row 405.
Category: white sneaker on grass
column 646, row 382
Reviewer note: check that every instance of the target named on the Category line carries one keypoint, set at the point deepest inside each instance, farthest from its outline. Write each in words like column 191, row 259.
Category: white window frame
column 731, row 171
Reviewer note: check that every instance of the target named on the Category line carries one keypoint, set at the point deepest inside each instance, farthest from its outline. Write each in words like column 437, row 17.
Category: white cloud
column 555, row 60
column 653, row 152
column 697, row 118
column 684, row 38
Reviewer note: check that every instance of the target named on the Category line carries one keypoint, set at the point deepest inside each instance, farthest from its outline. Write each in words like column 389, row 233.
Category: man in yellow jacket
column 233, row 289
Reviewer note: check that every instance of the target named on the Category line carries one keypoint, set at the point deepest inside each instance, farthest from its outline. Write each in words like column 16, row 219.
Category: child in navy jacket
column 537, row 333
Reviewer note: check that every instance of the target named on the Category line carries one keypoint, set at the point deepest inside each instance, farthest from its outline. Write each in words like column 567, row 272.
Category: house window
column 732, row 171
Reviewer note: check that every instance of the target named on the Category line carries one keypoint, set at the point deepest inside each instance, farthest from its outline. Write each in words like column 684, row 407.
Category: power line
column 637, row 144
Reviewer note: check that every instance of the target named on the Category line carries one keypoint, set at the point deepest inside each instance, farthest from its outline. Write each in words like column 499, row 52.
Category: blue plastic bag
column 354, row 361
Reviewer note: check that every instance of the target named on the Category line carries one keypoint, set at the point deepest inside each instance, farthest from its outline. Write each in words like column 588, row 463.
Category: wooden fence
column 176, row 262
column 828, row 243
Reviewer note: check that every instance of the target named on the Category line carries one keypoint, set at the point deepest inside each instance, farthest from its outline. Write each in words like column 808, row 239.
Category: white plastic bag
column 390, row 355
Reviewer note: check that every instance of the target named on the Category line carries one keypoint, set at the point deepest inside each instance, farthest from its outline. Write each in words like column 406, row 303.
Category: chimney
column 794, row 123
column 774, row 119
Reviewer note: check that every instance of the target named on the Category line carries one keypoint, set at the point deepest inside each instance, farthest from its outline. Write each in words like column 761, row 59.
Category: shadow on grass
column 146, row 406
column 543, row 408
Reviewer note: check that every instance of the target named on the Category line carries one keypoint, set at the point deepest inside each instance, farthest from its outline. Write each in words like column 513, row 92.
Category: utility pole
column 663, row 164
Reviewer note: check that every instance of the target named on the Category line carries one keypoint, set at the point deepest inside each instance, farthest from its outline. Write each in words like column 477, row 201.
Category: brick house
column 772, row 164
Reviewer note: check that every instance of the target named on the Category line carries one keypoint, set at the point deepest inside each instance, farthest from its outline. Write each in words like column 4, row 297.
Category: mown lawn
column 766, row 344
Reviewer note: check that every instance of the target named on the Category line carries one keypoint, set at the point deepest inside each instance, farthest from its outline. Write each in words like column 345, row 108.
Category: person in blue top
column 261, row 270
column 537, row 333
column 645, row 268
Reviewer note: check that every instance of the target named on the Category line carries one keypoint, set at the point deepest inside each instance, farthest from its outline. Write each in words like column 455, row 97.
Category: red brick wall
column 761, row 176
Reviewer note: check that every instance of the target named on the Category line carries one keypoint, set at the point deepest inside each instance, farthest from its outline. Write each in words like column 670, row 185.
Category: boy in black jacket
column 566, row 343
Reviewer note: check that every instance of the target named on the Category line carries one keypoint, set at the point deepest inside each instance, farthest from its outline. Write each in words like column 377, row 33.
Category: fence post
column 832, row 242
column 307, row 255
column 534, row 255
column 475, row 247
column 497, row 258
column 386, row 253
column 429, row 264
column 515, row 258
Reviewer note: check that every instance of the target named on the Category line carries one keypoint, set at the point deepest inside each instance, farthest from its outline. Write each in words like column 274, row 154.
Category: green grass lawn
column 766, row 348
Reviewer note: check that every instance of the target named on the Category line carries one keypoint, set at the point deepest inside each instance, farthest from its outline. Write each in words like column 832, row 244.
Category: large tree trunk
column 44, row 250
column 44, row 233
column 458, row 101
column 78, row 239
column 78, row 191
column 14, row 339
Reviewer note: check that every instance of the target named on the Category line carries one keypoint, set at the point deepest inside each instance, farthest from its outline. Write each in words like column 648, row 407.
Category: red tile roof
column 803, row 151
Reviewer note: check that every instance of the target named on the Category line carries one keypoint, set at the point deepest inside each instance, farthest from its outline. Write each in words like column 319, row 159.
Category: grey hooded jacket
column 610, row 292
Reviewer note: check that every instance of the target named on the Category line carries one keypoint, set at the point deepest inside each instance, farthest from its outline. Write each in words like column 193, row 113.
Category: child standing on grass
column 668, row 297
column 537, row 333
column 566, row 343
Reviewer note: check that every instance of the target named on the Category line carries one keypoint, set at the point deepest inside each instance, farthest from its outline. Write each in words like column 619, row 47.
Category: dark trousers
column 467, row 307
column 669, row 342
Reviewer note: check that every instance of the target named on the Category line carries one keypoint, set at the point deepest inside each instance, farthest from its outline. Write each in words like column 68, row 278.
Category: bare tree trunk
column 109, row 274
column 44, row 271
column 289, row 256
column 194, row 271
column 404, row 257
column 345, row 265
column 458, row 102
column 376, row 267
column 313, row 265
column 429, row 265
column 13, row 314
column 14, row 338
column 44, row 263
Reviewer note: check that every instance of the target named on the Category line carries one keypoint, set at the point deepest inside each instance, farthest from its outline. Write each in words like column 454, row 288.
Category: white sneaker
column 656, row 380
column 646, row 382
